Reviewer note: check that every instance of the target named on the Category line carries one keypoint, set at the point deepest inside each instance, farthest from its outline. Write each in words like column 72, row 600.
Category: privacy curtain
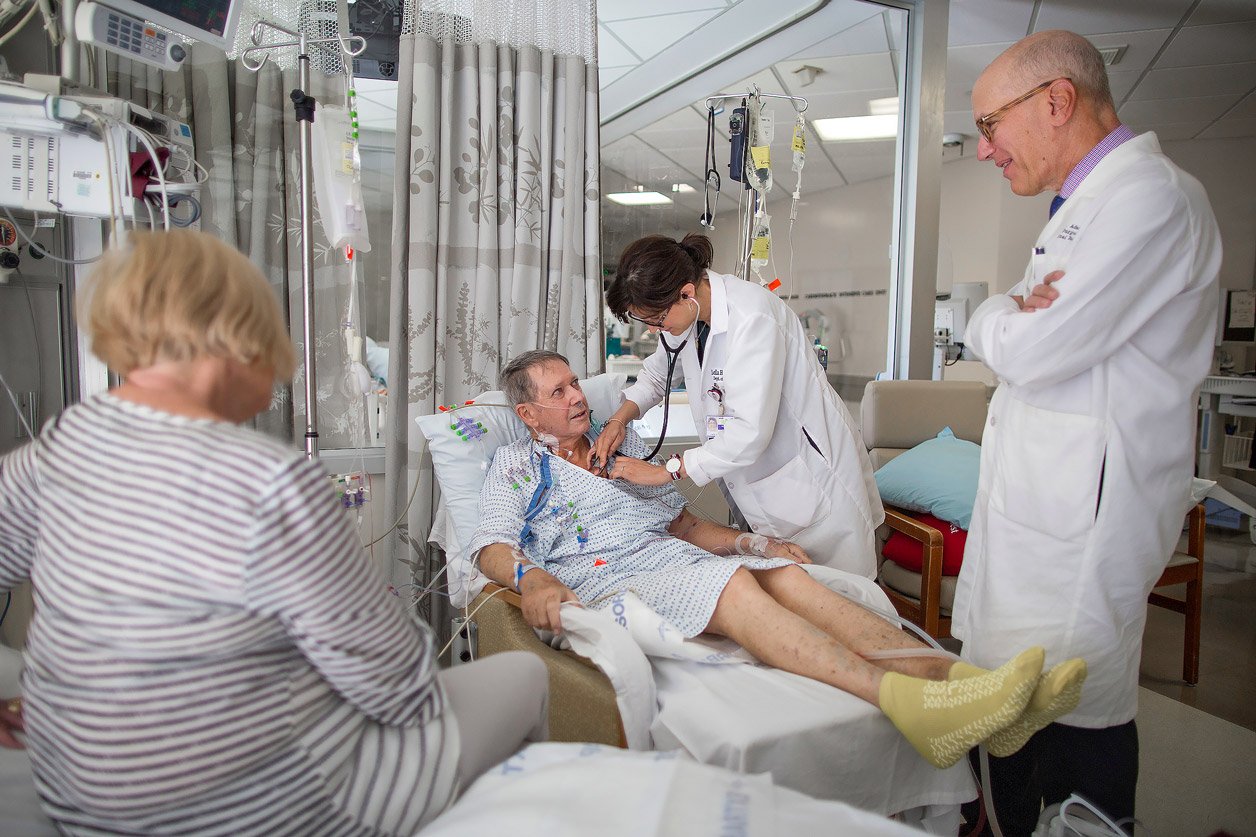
column 246, row 139
column 495, row 236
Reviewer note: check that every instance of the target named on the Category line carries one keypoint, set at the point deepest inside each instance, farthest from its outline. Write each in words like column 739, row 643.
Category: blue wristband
column 521, row 568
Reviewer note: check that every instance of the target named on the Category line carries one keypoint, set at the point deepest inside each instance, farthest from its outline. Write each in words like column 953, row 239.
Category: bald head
column 1049, row 55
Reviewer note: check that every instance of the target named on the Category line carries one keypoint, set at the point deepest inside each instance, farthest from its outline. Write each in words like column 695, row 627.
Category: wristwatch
column 673, row 466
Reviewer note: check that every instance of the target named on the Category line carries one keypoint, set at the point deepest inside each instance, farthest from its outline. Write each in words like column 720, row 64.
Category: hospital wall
column 842, row 240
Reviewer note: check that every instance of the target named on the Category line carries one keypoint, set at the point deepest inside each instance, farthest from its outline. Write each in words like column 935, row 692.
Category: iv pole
column 303, row 104
column 754, row 197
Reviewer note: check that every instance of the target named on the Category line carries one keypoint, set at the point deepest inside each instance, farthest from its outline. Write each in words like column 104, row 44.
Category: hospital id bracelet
column 521, row 568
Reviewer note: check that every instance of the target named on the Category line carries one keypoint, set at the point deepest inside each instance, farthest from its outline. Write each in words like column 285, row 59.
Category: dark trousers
column 1098, row 764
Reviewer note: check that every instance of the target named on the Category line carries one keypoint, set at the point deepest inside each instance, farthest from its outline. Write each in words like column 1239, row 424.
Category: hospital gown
column 600, row 537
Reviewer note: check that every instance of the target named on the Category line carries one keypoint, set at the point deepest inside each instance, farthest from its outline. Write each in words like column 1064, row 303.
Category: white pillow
column 462, row 443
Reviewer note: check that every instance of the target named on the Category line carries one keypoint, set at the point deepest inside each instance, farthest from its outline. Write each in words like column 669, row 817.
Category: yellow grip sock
column 944, row 719
column 1058, row 692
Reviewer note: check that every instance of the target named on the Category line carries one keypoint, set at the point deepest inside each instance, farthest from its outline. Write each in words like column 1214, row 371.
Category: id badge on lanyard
column 716, row 422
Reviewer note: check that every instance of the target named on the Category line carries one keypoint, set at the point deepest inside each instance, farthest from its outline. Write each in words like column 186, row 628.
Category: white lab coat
column 1087, row 453
column 821, row 494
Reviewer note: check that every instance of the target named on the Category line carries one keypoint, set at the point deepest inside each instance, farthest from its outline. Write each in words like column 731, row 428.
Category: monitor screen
column 209, row 21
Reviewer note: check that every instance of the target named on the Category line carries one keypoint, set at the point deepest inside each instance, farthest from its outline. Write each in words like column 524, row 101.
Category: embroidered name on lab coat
column 717, row 377
column 1069, row 233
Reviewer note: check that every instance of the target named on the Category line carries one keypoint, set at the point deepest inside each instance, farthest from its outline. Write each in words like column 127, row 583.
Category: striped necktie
column 1056, row 203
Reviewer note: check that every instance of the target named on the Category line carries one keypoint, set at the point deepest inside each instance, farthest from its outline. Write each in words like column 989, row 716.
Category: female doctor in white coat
column 778, row 438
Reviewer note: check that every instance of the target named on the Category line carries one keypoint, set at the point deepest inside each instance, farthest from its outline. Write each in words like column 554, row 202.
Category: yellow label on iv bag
column 760, row 248
column 800, row 139
column 761, row 156
column 347, row 156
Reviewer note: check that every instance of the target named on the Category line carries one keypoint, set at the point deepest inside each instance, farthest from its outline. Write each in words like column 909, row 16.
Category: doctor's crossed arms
column 1041, row 296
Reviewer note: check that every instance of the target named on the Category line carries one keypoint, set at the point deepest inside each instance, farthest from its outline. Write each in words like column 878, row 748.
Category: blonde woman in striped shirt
column 211, row 652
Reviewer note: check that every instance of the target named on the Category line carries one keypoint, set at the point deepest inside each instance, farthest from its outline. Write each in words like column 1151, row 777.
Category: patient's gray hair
column 516, row 377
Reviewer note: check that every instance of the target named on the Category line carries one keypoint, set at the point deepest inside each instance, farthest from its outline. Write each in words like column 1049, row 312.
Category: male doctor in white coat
column 1087, row 453
column 777, row 437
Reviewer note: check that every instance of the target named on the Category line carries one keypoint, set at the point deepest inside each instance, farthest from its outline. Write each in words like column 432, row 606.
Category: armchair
column 895, row 417
column 582, row 699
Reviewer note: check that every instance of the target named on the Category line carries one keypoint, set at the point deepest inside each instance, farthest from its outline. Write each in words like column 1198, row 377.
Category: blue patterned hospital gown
column 601, row 536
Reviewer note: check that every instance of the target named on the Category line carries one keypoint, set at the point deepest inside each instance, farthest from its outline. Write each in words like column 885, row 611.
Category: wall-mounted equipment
column 208, row 21
column 950, row 321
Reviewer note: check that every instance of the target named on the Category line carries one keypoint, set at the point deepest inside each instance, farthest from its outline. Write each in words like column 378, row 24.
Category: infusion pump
column 66, row 153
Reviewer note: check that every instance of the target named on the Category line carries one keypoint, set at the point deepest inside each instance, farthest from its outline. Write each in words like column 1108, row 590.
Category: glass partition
column 831, row 248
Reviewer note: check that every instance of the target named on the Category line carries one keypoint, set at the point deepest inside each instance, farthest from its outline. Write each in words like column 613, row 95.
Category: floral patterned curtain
column 495, row 242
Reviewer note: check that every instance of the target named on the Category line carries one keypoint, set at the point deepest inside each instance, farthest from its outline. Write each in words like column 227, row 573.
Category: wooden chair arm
column 931, row 567
column 506, row 594
column 912, row 528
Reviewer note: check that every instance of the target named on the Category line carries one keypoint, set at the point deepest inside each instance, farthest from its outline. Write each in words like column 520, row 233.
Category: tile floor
column 1197, row 760
column 1227, row 679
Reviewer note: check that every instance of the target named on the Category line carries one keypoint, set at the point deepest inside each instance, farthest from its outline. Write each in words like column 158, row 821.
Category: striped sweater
column 211, row 652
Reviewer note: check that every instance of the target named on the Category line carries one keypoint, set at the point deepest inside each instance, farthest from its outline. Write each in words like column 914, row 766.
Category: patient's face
column 560, row 408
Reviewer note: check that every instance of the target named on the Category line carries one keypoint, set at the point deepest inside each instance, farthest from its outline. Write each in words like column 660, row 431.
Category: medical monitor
column 208, row 21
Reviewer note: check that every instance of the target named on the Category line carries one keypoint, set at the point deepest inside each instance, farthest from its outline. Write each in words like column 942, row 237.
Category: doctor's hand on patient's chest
column 605, row 445
column 638, row 472
column 543, row 596
column 1041, row 296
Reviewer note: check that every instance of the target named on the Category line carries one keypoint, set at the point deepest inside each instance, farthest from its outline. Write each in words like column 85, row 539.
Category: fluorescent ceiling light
column 881, row 107
column 639, row 198
column 682, row 188
column 855, row 128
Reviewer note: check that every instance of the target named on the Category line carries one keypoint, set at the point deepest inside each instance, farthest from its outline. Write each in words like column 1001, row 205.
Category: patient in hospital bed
column 558, row 532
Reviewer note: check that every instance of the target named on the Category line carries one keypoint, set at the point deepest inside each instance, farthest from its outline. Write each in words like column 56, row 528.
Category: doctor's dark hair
column 652, row 270
column 516, row 377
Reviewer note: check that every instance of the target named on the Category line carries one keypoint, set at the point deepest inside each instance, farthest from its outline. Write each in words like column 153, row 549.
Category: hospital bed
column 529, row 795
column 811, row 737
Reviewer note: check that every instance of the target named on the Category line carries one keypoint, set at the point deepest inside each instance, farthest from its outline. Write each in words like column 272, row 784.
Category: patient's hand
column 543, row 595
column 10, row 722
column 788, row 550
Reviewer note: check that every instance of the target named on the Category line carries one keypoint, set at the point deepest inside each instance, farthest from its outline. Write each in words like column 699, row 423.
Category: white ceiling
column 1188, row 71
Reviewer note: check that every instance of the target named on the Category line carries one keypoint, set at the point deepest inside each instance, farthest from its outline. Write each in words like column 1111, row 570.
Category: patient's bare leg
column 855, row 627
column 774, row 634
column 942, row 719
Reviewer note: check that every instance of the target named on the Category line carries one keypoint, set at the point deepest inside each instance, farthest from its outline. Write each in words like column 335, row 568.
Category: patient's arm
column 722, row 540
column 542, row 594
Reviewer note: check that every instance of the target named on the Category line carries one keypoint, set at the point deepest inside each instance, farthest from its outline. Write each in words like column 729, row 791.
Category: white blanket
column 705, row 696
column 555, row 790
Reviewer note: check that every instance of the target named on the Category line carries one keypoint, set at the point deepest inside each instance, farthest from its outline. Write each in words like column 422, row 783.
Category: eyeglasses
column 658, row 323
column 987, row 123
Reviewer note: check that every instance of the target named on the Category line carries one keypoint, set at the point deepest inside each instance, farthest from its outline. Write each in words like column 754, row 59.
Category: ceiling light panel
column 856, row 128
column 638, row 198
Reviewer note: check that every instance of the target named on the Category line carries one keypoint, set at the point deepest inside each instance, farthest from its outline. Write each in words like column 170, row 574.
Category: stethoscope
column 672, row 356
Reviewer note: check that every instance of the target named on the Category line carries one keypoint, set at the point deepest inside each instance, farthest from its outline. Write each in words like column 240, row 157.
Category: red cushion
column 910, row 554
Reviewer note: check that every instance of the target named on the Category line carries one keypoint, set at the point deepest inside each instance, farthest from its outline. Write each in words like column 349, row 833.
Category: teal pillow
column 938, row 476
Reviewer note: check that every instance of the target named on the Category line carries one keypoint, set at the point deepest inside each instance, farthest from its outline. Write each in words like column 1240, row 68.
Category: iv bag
column 799, row 145
column 761, row 243
column 759, row 138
